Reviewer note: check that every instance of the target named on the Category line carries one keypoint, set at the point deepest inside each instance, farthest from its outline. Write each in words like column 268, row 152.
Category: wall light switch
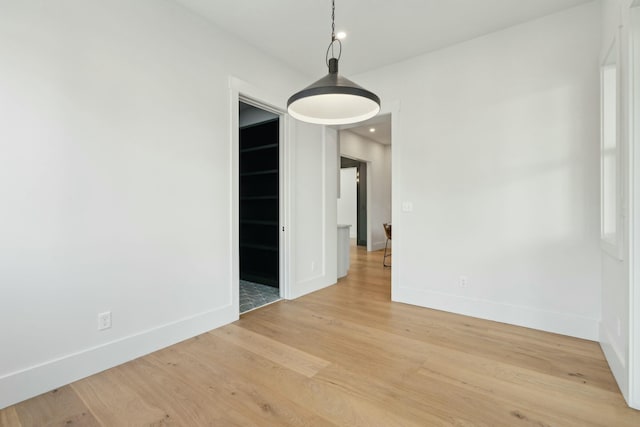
column 407, row 206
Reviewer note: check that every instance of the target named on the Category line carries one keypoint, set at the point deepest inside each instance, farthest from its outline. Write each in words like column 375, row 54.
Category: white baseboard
column 21, row 385
column 310, row 285
column 616, row 360
column 376, row 246
column 529, row 317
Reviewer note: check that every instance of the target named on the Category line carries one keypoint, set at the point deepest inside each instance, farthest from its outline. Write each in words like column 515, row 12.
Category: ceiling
column 379, row 32
column 381, row 124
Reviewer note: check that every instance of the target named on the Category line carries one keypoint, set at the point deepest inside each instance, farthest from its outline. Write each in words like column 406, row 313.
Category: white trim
column 312, row 284
column 612, row 245
column 376, row 246
column 529, row 317
column 614, row 357
column 324, row 204
column 243, row 91
column 27, row 383
column 289, row 237
column 618, row 357
column 234, row 191
column 284, row 206
column 370, row 191
column 634, row 215
column 397, row 192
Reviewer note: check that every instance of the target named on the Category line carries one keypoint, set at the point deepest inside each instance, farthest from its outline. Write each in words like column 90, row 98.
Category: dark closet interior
column 259, row 202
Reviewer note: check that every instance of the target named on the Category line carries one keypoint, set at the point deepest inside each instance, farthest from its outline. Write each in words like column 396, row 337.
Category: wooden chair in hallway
column 387, row 250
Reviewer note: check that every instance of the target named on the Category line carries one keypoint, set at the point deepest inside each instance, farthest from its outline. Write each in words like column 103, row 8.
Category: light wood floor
column 348, row 356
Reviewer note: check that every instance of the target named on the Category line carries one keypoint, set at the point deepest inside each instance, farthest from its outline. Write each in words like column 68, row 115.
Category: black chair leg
column 384, row 259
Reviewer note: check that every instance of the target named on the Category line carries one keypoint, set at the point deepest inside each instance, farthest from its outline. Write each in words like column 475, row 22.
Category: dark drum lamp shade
column 333, row 100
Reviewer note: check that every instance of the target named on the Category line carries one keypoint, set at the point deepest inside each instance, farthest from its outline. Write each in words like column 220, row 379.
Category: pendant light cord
column 333, row 35
column 333, row 20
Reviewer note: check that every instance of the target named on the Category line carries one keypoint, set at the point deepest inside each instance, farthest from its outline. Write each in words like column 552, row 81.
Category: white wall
column 115, row 182
column 619, row 328
column 348, row 201
column 313, row 260
column 496, row 145
column 378, row 158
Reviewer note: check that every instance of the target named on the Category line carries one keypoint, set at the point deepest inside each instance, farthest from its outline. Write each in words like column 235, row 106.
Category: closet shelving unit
column 259, row 203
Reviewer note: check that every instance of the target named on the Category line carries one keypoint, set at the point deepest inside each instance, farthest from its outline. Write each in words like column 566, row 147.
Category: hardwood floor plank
column 113, row 389
column 9, row 417
column 348, row 356
column 58, row 407
column 259, row 404
column 546, row 395
column 327, row 400
column 480, row 336
column 416, row 350
column 387, row 370
column 301, row 362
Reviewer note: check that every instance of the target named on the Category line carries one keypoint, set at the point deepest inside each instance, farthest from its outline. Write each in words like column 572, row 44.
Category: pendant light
column 333, row 100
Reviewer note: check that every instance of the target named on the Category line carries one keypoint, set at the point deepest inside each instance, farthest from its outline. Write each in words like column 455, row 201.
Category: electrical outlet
column 464, row 281
column 104, row 320
column 313, row 266
column 407, row 206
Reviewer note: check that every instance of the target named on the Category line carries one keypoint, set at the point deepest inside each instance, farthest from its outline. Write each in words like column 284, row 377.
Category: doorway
column 367, row 147
column 258, row 206
column 352, row 205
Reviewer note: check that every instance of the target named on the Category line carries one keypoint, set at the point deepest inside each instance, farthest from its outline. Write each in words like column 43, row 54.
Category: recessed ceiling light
column 372, row 130
column 341, row 35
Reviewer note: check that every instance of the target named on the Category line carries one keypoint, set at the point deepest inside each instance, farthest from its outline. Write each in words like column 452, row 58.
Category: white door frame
column 634, row 206
column 369, row 193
